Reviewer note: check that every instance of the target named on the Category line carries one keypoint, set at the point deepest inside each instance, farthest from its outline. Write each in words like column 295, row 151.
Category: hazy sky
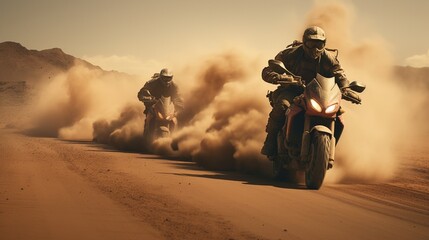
column 144, row 31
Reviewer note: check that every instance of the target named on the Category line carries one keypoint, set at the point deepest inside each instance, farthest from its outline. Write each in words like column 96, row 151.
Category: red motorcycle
column 312, row 129
column 161, row 119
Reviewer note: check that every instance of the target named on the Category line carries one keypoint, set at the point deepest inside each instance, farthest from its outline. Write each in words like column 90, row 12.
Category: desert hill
column 413, row 77
column 18, row 64
column 22, row 69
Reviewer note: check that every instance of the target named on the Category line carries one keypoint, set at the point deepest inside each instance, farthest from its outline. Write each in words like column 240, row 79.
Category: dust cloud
column 223, row 124
column 226, row 112
column 62, row 102
column 125, row 132
column 369, row 149
column 230, row 132
column 74, row 103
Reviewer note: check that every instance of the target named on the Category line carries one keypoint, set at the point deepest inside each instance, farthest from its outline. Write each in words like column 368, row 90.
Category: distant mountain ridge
column 18, row 63
column 414, row 77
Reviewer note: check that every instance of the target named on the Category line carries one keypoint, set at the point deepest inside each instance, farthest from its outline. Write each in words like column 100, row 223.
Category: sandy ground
column 56, row 189
column 53, row 189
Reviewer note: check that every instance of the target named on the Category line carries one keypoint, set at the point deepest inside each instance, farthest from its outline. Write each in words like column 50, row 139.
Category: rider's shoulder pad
column 290, row 53
column 295, row 43
column 151, row 81
column 331, row 52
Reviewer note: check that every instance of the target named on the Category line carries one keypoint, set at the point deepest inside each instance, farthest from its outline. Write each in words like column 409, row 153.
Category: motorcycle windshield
column 323, row 96
column 165, row 106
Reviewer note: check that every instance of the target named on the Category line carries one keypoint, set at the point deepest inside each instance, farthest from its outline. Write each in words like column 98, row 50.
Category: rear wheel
column 148, row 133
column 279, row 172
column 284, row 174
column 164, row 134
column 319, row 157
column 292, row 176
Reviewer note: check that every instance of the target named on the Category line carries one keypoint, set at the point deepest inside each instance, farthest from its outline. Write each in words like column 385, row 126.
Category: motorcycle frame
column 156, row 125
column 303, row 120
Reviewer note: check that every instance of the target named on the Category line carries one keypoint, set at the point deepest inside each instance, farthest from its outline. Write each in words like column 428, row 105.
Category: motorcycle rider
column 306, row 59
column 161, row 84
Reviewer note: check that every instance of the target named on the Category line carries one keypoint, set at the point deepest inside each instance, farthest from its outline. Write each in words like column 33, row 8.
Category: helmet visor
column 315, row 44
column 166, row 78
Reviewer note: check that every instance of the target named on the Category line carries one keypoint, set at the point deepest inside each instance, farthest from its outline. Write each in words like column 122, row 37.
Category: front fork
column 306, row 138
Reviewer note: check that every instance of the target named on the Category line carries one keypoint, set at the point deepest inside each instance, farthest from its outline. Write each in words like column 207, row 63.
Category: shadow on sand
column 187, row 164
column 245, row 178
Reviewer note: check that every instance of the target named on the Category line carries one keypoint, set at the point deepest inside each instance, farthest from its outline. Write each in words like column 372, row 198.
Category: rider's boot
column 270, row 145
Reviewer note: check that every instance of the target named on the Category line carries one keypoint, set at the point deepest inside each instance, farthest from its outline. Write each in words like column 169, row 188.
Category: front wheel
column 319, row 157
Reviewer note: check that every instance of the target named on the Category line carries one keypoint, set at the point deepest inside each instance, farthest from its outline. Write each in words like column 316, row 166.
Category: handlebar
column 148, row 99
column 351, row 99
column 296, row 82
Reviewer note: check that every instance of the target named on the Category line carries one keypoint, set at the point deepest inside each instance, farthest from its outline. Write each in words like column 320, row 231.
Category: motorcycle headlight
column 160, row 115
column 315, row 105
column 331, row 108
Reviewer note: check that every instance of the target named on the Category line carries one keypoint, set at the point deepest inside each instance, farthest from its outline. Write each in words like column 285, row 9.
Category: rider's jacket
column 158, row 89
column 296, row 61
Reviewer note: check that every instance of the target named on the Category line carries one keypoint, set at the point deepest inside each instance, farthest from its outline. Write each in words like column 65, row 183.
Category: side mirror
column 146, row 93
column 357, row 87
column 277, row 66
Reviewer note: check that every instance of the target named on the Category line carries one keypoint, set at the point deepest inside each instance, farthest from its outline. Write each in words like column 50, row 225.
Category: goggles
column 315, row 44
column 166, row 79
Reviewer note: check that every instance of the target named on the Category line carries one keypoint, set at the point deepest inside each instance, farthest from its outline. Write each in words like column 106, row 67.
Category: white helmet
column 166, row 76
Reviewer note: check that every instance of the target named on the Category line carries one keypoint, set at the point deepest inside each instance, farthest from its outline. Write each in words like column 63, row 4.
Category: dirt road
column 55, row 189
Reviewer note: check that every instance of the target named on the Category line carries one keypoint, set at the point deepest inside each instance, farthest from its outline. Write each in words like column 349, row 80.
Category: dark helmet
column 166, row 76
column 166, row 73
column 314, row 41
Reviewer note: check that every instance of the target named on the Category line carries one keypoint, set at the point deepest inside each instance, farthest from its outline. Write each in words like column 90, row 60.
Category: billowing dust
column 76, row 103
column 223, row 125
column 224, row 121
column 374, row 131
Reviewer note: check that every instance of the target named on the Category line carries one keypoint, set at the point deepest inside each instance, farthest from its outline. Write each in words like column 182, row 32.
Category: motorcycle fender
column 164, row 129
column 305, row 146
column 321, row 128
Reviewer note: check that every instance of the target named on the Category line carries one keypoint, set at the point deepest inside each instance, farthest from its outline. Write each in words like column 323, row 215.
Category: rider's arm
column 144, row 90
column 140, row 94
column 144, row 93
column 340, row 76
column 270, row 76
column 335, row 68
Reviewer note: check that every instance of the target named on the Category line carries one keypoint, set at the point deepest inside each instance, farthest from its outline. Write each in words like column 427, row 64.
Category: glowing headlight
column 331, row 108
column 315, row 105
column 160, row 115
